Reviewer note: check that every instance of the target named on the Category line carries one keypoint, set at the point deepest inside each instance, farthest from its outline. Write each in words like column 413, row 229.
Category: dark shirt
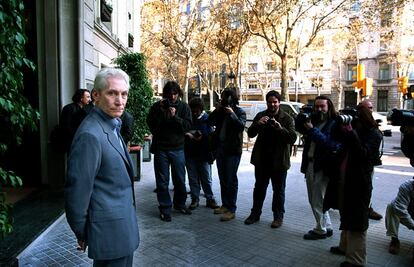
column 168, row 132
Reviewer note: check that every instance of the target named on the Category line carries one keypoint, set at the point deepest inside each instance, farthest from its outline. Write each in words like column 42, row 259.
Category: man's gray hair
column 101, row 79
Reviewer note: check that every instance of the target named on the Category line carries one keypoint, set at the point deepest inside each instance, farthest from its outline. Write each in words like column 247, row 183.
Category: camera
column 271, row 121
column 400, row 117
column 227, row 102
column 304, row 116
column 346, row 115
column 166, row 103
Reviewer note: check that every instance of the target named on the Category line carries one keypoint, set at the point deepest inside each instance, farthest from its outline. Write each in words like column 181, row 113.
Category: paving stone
column 202, row 240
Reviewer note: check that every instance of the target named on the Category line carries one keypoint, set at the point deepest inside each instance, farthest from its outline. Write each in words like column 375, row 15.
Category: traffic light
column 360, row 75
column 403, row 84
column 366, row 89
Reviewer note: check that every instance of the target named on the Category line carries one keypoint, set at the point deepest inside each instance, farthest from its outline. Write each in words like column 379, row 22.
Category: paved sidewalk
column 202, row 240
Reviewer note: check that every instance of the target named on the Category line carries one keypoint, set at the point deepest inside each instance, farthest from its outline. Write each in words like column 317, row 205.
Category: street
column 202, row 240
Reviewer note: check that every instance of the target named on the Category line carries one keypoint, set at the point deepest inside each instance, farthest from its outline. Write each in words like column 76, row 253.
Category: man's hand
column 263, row 120
column 228, row 110
column 81, row 245
column 308, row 125
column 172, row 111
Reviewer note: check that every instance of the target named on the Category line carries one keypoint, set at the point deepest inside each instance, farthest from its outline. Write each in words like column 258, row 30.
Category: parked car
column 253, row 107
column 384, row 127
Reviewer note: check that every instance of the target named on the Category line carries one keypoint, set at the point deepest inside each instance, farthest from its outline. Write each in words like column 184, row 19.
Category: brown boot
column 373, row 215
column 394, row 247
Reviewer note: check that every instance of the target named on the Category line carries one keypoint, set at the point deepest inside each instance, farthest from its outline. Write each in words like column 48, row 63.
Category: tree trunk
column 340, row 88
column 284, row 79
column 187, row 77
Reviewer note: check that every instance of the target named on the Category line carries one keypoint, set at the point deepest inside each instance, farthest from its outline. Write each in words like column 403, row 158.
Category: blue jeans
column 227, row 166
column 199, row 173
column 278, row 178
column 162, row 162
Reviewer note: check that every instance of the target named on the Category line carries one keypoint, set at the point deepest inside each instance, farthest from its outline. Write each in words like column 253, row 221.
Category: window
column 384, row 71
column 411, row 76
column 351, row 72
column 383, row 46
column 356, row 6
column 252, row 67
column 271, row 66
column 252, row 85
column 382, row 104
column 317, row 63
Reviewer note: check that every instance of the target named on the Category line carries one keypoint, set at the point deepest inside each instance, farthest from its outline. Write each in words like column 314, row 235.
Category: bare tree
column 278, row 22
column 186, row 29
column 230, row 33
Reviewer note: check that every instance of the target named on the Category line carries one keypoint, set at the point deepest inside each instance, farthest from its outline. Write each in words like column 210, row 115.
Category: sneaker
column 212, row 204
column 373, row 215
column 337, row 251
column 227, row 216
column 183, row 210
column 220, row 210
column 394, row 247
column 165, row 217
column 312, row 235
column 194, row 204
column 276, row 223
column 251, row 219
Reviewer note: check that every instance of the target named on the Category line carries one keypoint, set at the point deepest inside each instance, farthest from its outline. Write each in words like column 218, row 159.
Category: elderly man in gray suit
column 99, row 192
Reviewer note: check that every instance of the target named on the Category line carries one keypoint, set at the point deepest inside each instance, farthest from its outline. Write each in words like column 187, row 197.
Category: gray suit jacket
column 99, row 194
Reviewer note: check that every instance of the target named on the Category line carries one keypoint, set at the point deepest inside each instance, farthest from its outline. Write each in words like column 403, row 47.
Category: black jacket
column 272, row 146
column 233, row 142
column 168, row 132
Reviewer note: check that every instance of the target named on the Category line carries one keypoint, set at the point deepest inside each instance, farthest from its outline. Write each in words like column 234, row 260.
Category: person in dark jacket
column 127, row 129
column 374, row 215
column 198, row 157
column 229, row 120
column 72, row 115
column 320, row 148
column 168, row 120
column 401, row 209
column 353, row 185
column 275, row 131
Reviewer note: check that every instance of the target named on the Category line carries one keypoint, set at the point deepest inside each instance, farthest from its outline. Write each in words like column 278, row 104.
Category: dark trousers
column 227, row 166
column 278, row 177
column 163, row 160
column 120, row 262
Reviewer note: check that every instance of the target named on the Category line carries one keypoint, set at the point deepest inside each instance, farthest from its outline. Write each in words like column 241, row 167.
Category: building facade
column 69, row 41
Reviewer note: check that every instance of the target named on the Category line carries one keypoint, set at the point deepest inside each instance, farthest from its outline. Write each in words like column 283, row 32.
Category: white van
column 253, row 107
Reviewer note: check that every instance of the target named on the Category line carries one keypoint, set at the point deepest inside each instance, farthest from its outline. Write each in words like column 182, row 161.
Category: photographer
column 350, row 190
column 169, row 119
column 319, row 150
column 198, row 157
column 229, row 120
column 375, row 160
column 276, row 134
column 401, row 209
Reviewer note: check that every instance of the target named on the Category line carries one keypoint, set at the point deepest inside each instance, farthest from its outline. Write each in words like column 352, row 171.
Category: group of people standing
column 338, row 161
column 183, row 136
